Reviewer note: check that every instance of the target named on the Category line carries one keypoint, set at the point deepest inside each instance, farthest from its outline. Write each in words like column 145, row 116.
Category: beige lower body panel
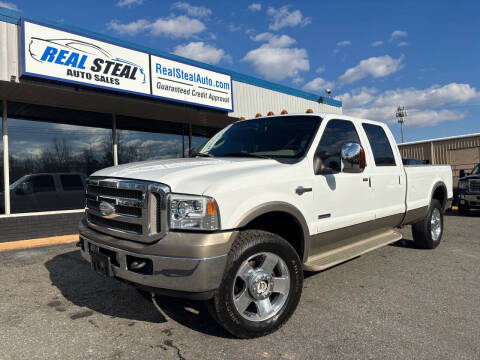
column 338, row 255
column 415, row 215
column 176, row 244
column 334, row 239
column 333, row 247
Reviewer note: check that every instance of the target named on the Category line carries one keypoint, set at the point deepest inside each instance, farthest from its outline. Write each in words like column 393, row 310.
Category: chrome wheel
column 261, row 286
column 436, row 224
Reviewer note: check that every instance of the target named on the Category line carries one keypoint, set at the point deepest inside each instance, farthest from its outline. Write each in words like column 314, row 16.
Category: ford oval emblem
column 106, row 208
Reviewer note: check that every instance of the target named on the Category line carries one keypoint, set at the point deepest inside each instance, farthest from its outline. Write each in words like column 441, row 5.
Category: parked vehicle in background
column 263, row 199
column 46, row 192
column 469, row 191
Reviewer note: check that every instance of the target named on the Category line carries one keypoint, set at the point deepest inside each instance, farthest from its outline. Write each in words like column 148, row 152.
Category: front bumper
column 469, row 200
column 195, row 265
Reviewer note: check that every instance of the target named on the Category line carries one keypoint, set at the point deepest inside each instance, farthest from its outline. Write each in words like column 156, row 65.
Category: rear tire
column 261, row 285
column 428, row 232
column 463, row 210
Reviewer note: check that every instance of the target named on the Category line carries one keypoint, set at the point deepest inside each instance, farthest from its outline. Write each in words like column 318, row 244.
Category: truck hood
column 194, row 175
column 470, row 177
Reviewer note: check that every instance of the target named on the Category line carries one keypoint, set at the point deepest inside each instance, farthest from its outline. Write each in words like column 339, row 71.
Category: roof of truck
column 322, row 115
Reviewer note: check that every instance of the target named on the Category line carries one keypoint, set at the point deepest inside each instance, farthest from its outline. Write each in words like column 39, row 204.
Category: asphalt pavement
column 397, row 302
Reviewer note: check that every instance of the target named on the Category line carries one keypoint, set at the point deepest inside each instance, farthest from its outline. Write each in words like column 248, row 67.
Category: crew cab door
column 343, row 201
column 387, row 177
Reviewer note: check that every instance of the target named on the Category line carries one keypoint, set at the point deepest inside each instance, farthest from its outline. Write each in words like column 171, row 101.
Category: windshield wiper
column 204, row 154
column 245, row 154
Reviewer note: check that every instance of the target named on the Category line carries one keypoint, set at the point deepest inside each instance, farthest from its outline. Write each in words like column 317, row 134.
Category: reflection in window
column 336, row 133
column 71, row 182
column 139, row 145
column 50, row 161
column 198, row 141
column 382, row 151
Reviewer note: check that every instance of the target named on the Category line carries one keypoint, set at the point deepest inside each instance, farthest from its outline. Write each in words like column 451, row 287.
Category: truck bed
column 420, row 184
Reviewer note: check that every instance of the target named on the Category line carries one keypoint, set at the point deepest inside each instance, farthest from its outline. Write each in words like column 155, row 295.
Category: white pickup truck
column 261, row 201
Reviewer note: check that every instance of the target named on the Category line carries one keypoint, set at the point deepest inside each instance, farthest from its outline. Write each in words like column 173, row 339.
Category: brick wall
column 38, row 226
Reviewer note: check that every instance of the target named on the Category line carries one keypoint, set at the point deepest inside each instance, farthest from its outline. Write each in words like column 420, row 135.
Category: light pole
column 401, row 115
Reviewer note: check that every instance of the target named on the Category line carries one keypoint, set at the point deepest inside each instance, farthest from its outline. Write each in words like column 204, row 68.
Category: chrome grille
column 474, row 186
column 138, row 208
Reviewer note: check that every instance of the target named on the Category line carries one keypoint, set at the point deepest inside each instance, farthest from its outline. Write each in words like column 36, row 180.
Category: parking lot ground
column 397, row 302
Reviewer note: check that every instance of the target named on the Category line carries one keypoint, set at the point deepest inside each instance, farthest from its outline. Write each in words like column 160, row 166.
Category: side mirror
column 353, row 157
column 463, row 173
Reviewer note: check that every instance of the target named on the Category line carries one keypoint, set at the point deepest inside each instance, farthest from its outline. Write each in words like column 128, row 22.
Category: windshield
column 476, row 170
column 277, row 137
column 15, row 184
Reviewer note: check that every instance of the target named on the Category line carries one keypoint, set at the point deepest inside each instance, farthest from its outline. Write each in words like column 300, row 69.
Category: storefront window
column 140, row 145
column 50, row 161
column 198, row 141
column 2, row 198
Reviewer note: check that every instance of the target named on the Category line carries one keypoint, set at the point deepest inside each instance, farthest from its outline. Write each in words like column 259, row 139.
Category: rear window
column 381, row 148
column 71, row 182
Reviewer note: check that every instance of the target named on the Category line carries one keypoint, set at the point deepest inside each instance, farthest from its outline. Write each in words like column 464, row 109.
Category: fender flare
column 439, row 184
column 279, row 206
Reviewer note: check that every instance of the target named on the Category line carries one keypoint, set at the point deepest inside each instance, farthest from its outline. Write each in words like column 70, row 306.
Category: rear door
column 387, row 176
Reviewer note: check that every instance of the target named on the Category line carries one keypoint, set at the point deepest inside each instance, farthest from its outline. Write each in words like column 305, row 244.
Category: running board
column 344, row 253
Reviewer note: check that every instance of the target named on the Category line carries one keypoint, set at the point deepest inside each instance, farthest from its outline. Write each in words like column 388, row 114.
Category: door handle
column 365, row 179
column 301, row 190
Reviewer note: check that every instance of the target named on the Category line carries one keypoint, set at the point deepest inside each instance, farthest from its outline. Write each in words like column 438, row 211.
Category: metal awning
column 73, row 98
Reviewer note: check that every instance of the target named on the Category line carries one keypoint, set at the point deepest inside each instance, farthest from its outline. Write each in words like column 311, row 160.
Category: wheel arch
column 440, row 193
column 282, row 219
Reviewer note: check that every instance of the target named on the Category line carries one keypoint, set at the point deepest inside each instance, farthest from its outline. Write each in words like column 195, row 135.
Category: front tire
column 147, row 295
column 261, row 285
column 428, row 232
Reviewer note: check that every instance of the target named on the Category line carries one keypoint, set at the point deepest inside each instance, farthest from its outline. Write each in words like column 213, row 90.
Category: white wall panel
column 9, row 51
column 249, row 100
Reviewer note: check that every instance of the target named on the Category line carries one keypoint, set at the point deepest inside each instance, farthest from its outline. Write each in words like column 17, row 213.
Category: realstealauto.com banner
column 55, row 54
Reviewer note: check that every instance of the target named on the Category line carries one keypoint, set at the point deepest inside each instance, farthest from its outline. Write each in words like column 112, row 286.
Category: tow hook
column 137, row 265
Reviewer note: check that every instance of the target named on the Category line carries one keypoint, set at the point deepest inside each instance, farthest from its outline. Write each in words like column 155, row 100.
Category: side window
column 42, row 183
column 336, row 133
column 381, row 148
column 71, row 182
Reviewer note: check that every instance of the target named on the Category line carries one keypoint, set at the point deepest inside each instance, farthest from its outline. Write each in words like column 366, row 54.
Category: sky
column 373, row 55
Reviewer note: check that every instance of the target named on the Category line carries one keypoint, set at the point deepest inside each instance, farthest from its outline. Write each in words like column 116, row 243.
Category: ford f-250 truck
column 469, row 191
column 261, row 201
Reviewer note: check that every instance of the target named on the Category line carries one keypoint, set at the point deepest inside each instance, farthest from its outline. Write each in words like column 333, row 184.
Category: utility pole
column 401, row 115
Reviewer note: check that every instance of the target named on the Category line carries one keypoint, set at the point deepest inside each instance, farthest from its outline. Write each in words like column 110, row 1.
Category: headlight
column 189, row 212
column 462, row 185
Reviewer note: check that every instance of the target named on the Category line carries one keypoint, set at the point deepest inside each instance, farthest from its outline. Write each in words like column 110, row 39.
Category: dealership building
column 461, row 152
column 74, row 101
